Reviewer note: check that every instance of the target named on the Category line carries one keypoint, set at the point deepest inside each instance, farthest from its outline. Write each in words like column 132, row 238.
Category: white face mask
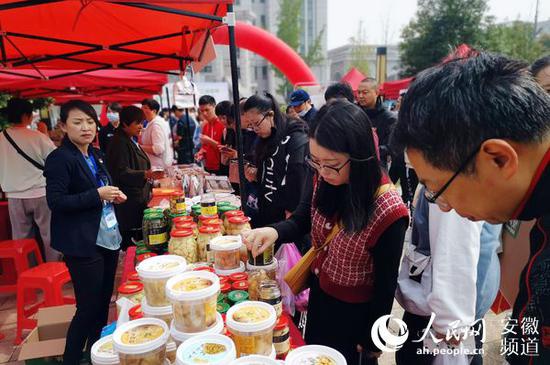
column 303, row 112
column 112, row 117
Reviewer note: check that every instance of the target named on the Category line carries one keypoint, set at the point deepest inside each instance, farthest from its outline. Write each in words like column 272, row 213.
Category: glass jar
column 229, row 214
column 177, row 203
column 237, row 225
column 281, row 338
column 188, row 225
column 208, row 205
column 270, row 293
column 156, row 232
column 215, row 222
column 263, row 259
column 206, row 234
column 254, row 280
column 183, row 243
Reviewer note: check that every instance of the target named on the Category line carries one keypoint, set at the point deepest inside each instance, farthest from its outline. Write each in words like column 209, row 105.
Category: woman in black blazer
column 130, row 168
column 83, row 225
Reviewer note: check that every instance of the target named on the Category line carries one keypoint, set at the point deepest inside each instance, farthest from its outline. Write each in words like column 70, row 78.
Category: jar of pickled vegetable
column 207, row 234
column 271, row 293
column 281, row 338
column 237, row 225
column 183, row 243
column 132, row 291
column 156, row 233
column 229, row 214
column 215, row 222
column 177, row 203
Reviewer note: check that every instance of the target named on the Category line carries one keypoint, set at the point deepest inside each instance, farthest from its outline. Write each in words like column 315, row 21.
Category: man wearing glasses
column 477, row 131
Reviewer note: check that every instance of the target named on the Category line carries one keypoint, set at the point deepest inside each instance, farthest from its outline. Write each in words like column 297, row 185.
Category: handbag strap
column 20, row 151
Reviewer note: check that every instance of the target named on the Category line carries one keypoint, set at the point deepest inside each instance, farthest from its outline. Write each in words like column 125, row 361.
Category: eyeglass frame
column 336, row 170
column 257, row 125
column 431, row 196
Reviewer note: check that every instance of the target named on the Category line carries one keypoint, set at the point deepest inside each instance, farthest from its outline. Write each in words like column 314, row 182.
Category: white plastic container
column 241, row 268
column 180, row 337
column 103, row 352
column 255, row 360
column 171, row 349
column 142, row 341
column 271, row 269
column 251, row 324
column 154, row 272
column 312, row 353
column 164, row 313
column 226, row 251
column 192, row 351
column 194, row 296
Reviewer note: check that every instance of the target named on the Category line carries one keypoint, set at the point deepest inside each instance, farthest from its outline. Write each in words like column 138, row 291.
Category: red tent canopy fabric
column 390, row 89
column 157, row 35
column 353, row 77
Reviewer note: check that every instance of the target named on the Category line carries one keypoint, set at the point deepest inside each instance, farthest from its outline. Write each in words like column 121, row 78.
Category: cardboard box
column 46, row 343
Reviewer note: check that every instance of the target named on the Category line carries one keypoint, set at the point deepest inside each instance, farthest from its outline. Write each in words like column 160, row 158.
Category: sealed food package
column 183, row 243
column 251, row 324
column 315, row 354
column 103, row 352
column 194, row 296
column 142, row 342
column 210, row 349
column 226, row 251
column 155, row 272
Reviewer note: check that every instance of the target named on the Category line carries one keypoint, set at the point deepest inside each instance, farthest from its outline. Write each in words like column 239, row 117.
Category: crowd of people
column 321, row 178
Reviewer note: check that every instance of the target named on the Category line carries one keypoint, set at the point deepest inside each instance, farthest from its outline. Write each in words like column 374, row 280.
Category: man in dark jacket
column 482, row 148
column 368, row 98
column 301, row 103
column 183, row 131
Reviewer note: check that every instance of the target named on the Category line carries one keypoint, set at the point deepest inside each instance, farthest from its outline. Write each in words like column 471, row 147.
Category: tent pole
column 230, row 21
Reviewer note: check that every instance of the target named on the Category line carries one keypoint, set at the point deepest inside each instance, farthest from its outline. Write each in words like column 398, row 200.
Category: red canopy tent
column 353, row 77
column 390, row 89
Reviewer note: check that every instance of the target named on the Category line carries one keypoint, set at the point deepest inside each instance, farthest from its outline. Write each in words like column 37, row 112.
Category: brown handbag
column 297, row 278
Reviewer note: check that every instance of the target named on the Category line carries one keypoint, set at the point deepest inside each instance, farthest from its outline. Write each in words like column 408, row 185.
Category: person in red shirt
column 211, row 137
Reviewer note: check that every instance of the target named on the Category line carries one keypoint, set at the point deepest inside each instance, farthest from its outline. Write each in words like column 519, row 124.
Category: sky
column 378, row 16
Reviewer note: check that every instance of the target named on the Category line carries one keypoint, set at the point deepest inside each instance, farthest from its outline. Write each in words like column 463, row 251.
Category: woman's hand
column 250, row 173
column 109, row 193
column 259, row 239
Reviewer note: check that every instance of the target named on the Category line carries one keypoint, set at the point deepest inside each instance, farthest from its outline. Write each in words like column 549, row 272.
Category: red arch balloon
column 271, row 48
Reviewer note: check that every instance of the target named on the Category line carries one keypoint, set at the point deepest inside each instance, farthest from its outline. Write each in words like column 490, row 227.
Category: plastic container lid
column 190, row 353
column 226, row 243
column 225, row 288
column 238, row 276
column 203, row 218
column 233, row 213
column 129, row 288
column 133, row 276
column 237, row 296
column 152, row 268
column 145, row 256
column 136, row 349
column 223, row 279
column 183, row 219
column 222, row 209
column 255, row 360
column 221, row 297
column 240, row 269
column 181, row 232
column 213, row 222
column 302, row 354
column 270, row 267
column 178, row 295
column 240, row 285
column 185, row 225
column 223, row 203
column 149, row 311
column 135, row 312
column 262, row 325
column 206, row 229
column 238, row 219
column 179, row 336
column 103, row 352
column 222, row 308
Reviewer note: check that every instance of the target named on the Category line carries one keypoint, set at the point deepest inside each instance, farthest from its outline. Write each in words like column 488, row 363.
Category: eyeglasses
column 433, row 196
column 256, row 126
column 330, row 170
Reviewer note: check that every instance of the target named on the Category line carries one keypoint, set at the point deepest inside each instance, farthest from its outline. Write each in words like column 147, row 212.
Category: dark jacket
column 185, row 128
column 71, row 192
column 105, row 135
column 310, row 115
column 127, row 164
column 532, row 306
column 281, row 173
column 382, row 120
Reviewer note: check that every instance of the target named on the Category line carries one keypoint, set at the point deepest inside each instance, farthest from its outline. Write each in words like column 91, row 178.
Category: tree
column 360, row 51
column 515, row 40
column 438, row 27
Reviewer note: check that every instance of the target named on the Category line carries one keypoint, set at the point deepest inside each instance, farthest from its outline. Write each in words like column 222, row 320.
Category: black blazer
column 71, row 192
column 127, row 164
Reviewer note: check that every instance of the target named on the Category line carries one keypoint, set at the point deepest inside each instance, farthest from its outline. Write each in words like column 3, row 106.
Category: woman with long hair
column 354, row 210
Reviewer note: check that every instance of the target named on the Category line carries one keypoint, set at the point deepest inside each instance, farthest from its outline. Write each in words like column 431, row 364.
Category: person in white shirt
column 21, row 175
column 156, row 139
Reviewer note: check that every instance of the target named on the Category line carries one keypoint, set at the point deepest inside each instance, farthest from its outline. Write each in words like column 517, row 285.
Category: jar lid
column 130, row 288
column 185, row 225
column 133, row 276
column 176, row 292
column 182, row 219
column 226, row 243
column 222, row 307
column 223, row 203
column 196, row 206
column 281, row 323
column 203, row 218
column 212, row 222
column 154, row 216
column 135, row 312
column 238, row 276
column 238, row 219
column 145, row 256
column 181, row 233
column 161, row 267
column 141, row 348
column 225, row 288
column 152, row 210
column 233, row 213
column 141, row 251
column 258, row 324
column 240, row 285
column 209, row 229
column 237, row 296
column 223, row 279
column 221, row 298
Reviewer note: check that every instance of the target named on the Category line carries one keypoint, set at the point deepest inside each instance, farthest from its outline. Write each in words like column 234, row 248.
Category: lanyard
column 101, row 180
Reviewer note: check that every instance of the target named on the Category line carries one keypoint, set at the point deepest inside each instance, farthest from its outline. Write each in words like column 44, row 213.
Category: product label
column 158, row 239
column 209, row 211
column 273, row 302
column 180, row 207
column 280, row 339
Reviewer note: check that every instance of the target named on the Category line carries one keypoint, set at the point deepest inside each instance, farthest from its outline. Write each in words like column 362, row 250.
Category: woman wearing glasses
column 353, row 209
column 280, row 169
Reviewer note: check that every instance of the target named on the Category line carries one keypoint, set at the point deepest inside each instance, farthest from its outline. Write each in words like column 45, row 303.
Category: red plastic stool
column 50, row 278
column 18, row 251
